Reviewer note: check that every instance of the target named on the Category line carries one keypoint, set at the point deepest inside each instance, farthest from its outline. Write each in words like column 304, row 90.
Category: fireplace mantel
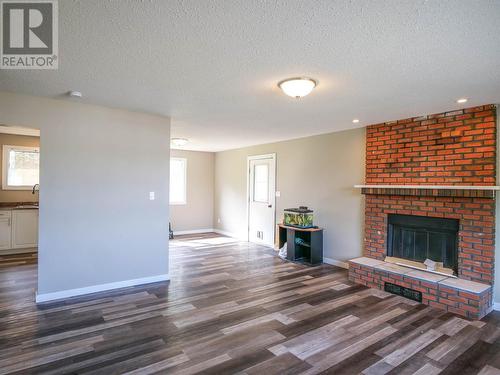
column 442, row 187
column 469, row 191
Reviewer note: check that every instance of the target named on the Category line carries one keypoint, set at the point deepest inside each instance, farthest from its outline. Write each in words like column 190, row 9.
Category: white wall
column 98, row 165
column 198, row 212
column 318, row 172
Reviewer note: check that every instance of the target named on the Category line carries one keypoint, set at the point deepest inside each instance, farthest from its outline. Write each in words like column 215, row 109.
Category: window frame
column 5, row 167
column 184, row 202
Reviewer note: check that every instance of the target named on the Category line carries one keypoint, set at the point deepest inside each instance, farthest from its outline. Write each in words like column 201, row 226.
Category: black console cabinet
column 309, row 248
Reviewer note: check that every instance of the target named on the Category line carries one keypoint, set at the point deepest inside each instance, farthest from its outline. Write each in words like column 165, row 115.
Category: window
column 261, row 183
column 20, row 167
column 178, row 180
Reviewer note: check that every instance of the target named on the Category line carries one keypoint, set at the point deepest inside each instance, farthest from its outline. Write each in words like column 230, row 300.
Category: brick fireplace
column 440, row 166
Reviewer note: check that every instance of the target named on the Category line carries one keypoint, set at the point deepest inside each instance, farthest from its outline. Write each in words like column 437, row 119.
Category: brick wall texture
column 450, row 148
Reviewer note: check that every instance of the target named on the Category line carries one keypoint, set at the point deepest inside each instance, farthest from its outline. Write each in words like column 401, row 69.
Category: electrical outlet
column 218, row 220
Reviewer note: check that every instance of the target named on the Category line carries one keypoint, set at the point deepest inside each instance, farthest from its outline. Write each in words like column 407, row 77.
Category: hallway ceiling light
column 75, row 94
column 179, row 142
column 355, row 121
column 297, row 87
column 462, row 100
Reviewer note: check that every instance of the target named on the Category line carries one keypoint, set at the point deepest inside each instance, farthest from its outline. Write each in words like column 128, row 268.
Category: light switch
column 278, row 193
column 151, row 195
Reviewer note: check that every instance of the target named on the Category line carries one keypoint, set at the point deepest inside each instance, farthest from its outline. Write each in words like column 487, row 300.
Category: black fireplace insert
column 418, row 238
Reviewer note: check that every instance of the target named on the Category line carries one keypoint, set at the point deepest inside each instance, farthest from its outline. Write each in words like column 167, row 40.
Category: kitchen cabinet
column 18, row 230
column 5, row 230
column 24, row 229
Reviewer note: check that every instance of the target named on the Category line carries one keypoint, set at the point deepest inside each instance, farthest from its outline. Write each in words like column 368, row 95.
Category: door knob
column 269, row 205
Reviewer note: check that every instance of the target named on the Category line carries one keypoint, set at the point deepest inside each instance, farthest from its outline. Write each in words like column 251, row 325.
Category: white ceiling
column 213, row 65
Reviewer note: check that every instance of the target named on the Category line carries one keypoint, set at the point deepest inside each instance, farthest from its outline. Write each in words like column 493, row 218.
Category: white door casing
column 261, row 199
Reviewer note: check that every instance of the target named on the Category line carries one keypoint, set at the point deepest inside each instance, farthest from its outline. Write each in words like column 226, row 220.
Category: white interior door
column 261, row 199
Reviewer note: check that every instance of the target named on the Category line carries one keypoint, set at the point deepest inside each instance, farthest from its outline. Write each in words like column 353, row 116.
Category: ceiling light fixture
column 297, row 87
column 179, row 142
column 355, row 121
column 462, row 100
column 75, row 94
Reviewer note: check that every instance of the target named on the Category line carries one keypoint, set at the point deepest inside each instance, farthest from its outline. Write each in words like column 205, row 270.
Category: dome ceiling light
column 179, row 142
column 75, row 94
column 297, row 87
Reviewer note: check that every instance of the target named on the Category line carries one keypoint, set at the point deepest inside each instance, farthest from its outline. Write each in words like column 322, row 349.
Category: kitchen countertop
column 18, row 205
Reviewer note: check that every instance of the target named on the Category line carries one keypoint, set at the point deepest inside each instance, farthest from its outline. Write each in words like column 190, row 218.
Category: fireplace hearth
column 417, row 238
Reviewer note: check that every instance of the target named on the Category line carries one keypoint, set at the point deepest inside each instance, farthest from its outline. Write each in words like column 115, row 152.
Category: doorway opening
column 19, row 196
column 261, row 199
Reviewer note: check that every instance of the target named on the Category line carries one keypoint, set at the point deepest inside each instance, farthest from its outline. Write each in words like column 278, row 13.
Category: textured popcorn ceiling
column 213, row 65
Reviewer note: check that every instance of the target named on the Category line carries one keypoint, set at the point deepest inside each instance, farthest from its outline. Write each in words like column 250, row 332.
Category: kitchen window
column 178, row 169
column 20, row 167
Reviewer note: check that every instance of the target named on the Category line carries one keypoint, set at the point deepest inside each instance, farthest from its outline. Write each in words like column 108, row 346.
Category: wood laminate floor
column 234, row 307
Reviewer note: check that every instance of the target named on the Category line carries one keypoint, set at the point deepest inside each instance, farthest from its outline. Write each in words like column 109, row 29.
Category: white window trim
column 5, row 157
column 184, row 202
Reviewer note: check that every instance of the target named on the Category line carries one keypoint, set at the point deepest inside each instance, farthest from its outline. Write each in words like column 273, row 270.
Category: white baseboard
column 193, row 231
column 63, row 294
column 496, row 306
column 228, row 234
column 208, row 230
column 336, row 262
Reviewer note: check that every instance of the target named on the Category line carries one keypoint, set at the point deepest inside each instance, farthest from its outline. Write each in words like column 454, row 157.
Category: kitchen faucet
column 34, row 188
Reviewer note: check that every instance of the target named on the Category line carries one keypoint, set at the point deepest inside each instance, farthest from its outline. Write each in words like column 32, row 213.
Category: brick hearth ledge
column 467, row 298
